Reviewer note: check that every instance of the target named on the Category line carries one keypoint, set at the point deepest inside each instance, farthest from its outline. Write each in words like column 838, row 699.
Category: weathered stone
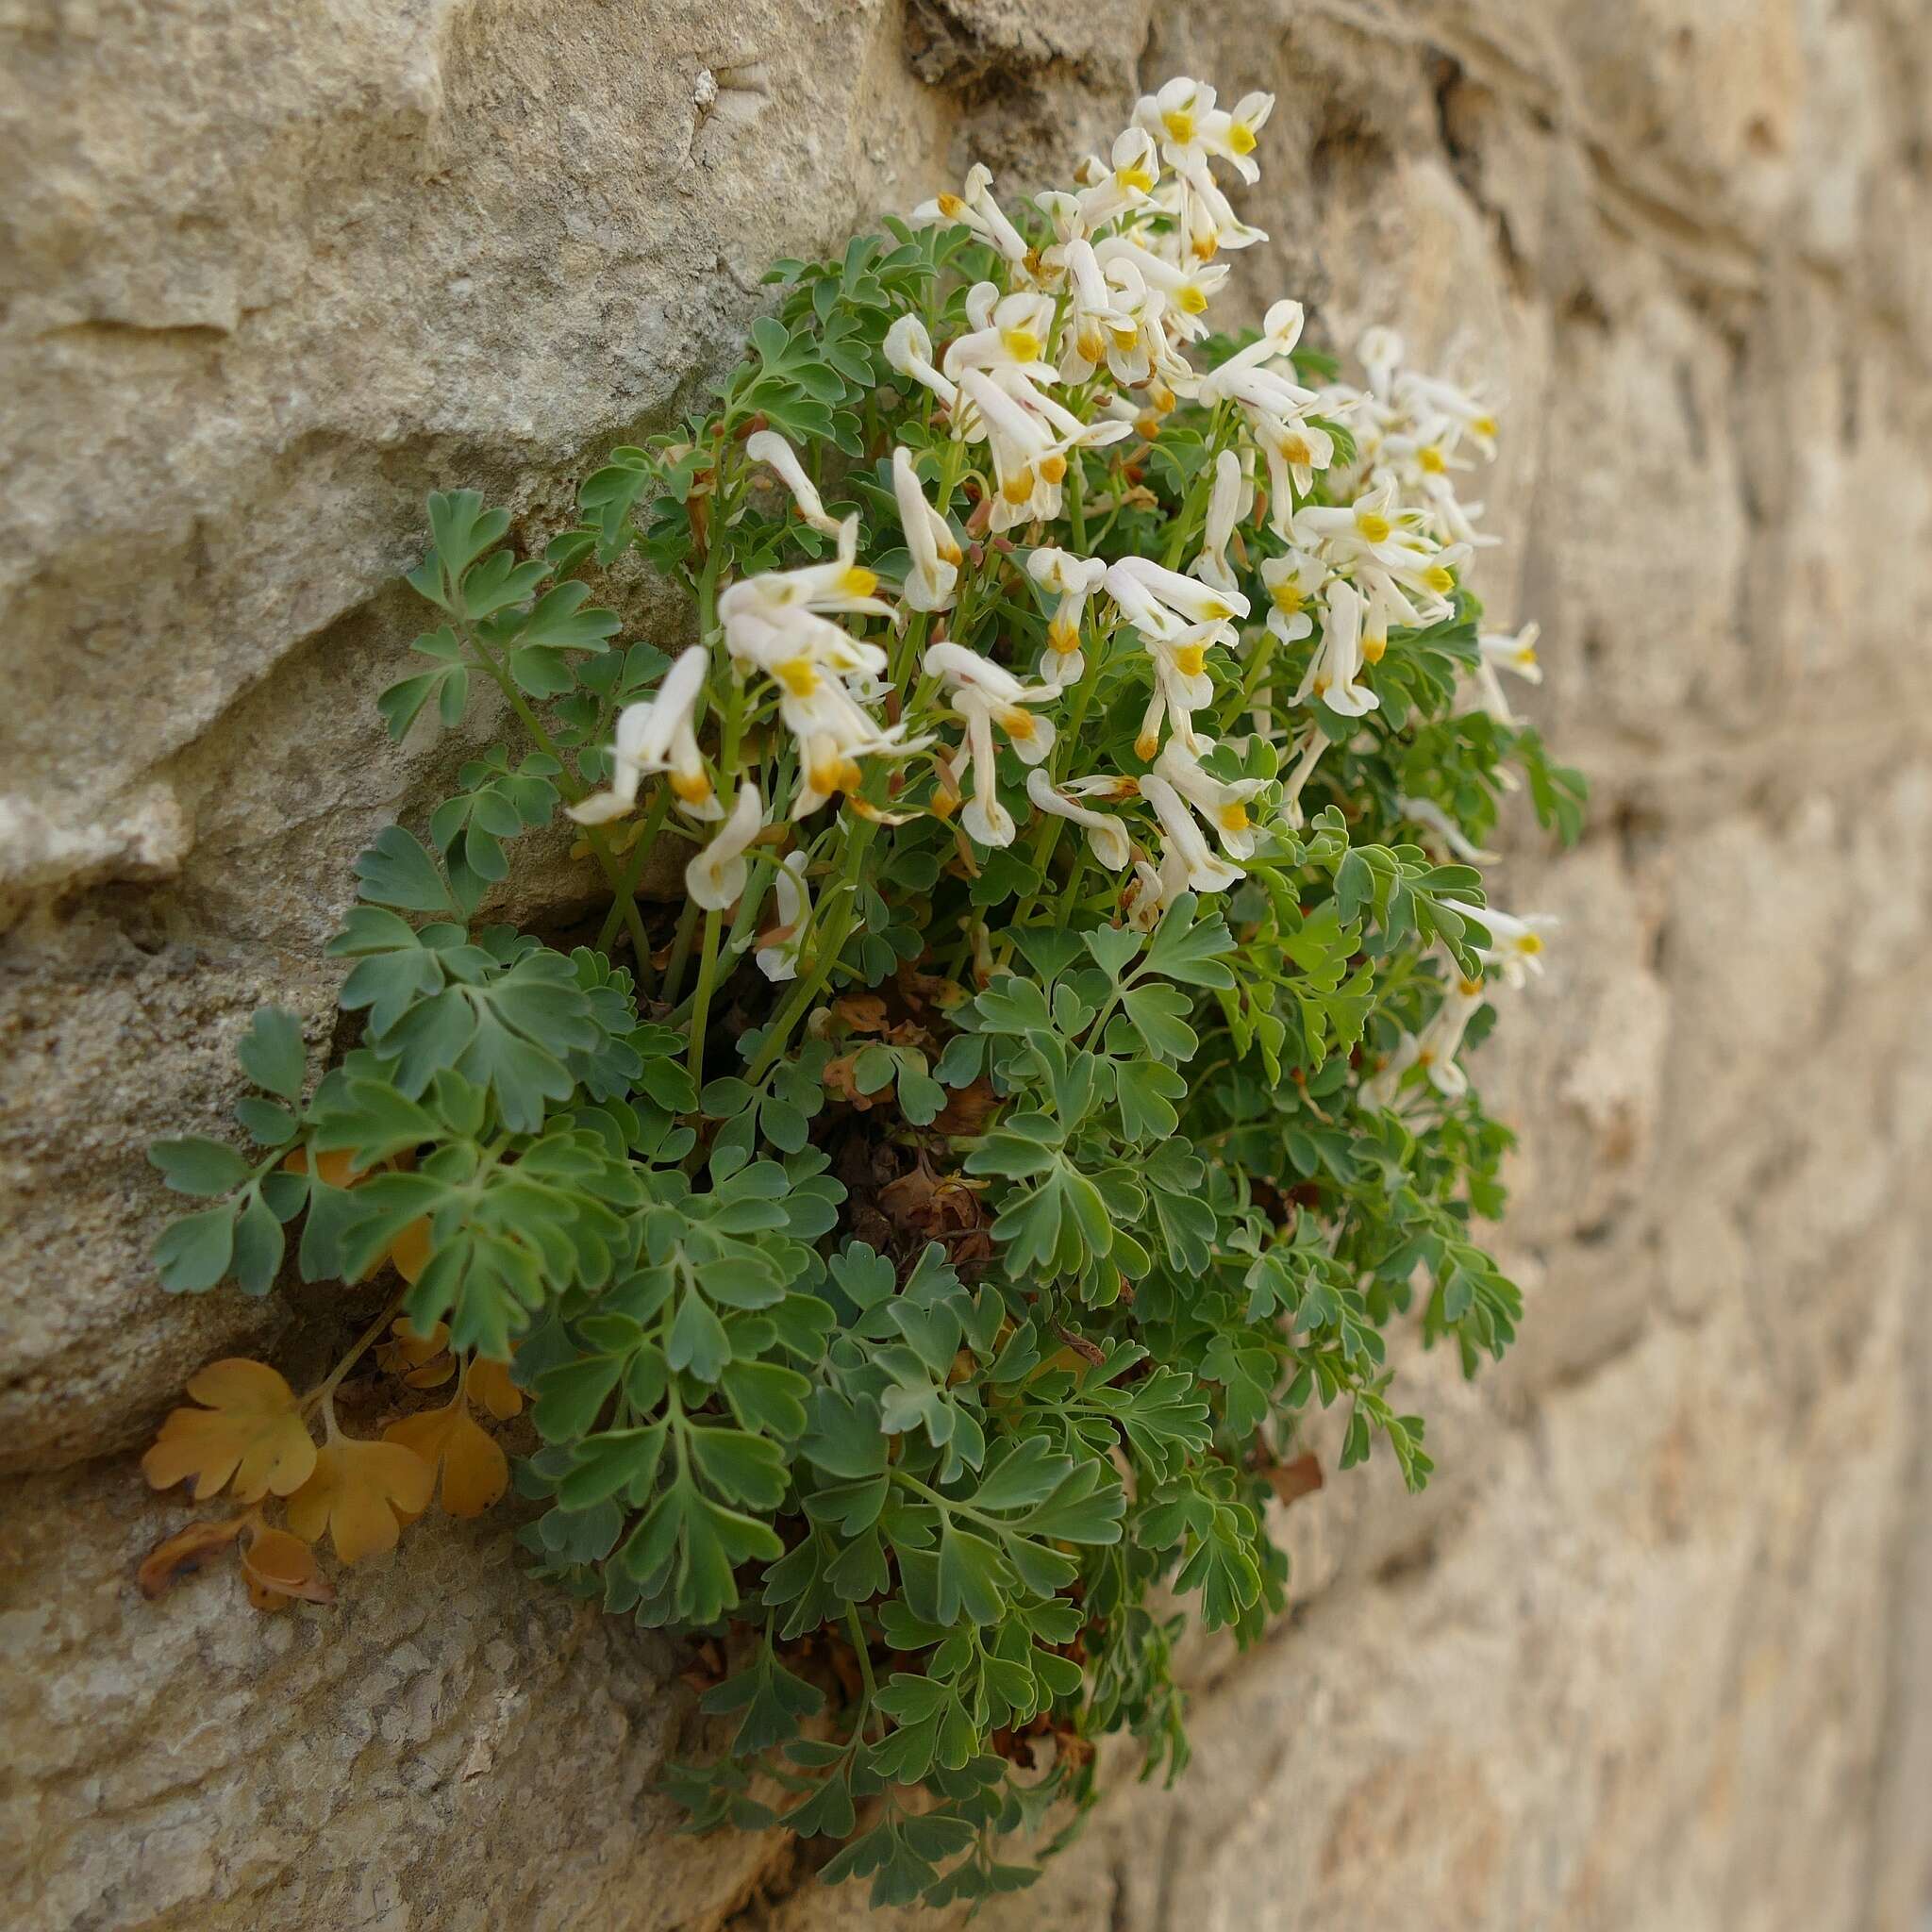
column 1656, row 1647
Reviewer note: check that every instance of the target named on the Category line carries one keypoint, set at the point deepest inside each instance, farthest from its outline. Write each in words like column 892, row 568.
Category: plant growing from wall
column 920, row 1245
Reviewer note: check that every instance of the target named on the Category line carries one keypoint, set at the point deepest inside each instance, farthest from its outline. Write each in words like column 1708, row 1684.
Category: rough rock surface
column 1658, row 1649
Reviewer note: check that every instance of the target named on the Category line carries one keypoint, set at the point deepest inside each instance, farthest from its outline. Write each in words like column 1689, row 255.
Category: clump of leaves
column 923, row 1249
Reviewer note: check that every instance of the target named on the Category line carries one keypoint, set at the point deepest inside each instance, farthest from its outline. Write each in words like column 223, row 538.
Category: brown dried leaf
column 358, row 1492
column 1291, row 1481
column 862, row 1012
column 252, row 1430
column 476, row 1472
column 281, row 1567
column 184, row 1553
column 966, row 1109
column 422, row 1361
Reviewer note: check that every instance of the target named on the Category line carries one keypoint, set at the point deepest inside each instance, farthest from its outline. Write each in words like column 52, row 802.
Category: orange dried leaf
column 279, row 1566
column 356, row 1493
column 182, row 1553
column 422, row 1360
column 862, row 1012
column 252, row 1429
column 337, row 1170
column 489, row 1383
column 1293, row 1480
column 476, row 1472
column 410, row 1252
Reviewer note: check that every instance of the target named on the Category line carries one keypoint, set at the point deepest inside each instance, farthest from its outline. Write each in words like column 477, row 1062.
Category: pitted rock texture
column 1656, row 1648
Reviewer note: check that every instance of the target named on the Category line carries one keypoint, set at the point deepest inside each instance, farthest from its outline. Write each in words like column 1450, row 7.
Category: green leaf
column 192, row 1254
column 272, row 1053
column 194, row 1165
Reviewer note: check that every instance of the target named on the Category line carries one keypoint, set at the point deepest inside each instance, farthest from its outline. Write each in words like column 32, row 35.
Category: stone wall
column 1656, row 1648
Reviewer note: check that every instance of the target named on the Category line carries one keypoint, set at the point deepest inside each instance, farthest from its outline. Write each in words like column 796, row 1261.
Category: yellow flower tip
column 1147, row 425
column 1439, row 578
column 1234, row 818
column 1135, row 178
column 1023, row 346
column 1019, row 725
column 1484, row 425
column 1375, row 528
column 690, row 788
column 1191, row 660
column 1469, row 987
column 1206, row 247
column 1430, row 457
column 1091, row 341
column 1146, row 745
column 1192, row 300
column 1531, row 945
column 1373, row 649
column 950, row 552
column 1054, row 468
column 1062, row 636
column 1287, row 598
column 1526, row 655
column 857, row 581
column 1240, row 137
column 1179, row 124
column 952, row 207
column 799, row 676
column 1018, row 487
column 1294, row 450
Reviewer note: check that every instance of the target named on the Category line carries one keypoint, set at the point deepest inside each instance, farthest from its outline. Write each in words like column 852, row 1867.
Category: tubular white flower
column 977, row 210
column 1442, row 1038
column 1106, row 835
column 1011, row 332
column 716, row 877
column 929, row 540
column 1185, row 842
column 1188, row 286
column 840, row 585
column 1144, row 897
column 779, row 944
column 1224, row 509
column 1153, row 598
column 1075, row 578
column 1294, row 450
column 1029, row 458
column 1338, row 661
column 1222, row 803
column 1516, row 945
column 1294, row 582
column 1425, row 812
column 1313, row 745
column 1515, row 654
column 768, row 446
column 659, row 736
column 908, row 351
column 1380, row 352
column 1281, row 329
column 1111, row 187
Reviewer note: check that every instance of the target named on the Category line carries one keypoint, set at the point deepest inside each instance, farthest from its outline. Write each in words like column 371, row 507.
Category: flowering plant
column 1043, row 1088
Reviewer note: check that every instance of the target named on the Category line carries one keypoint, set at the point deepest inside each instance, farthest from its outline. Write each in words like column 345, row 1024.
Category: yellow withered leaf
column 184, row 1553
column 358, row 1492
column 251, row 1430
column 489, row 1383
column 476, row 1472
column 279, row 1567
column 422, row 1361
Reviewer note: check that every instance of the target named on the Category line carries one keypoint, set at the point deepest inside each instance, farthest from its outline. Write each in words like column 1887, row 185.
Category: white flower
column 717, row 876
column 657, row 736
column 1224, row 508
column 1295, row 449
column 1245, row 376
column 1186, row 845
column 1338, row 661
column 1313, row 745
column 1380, row 352
column 1031, row 435
column 1108, row 187
column 1515, row 654
column 1442, row 1038
column 1516, row 945
column 1107, row 321
column 841, row 585
column 908, row 350
column 1106, row 835
column 1010, row 332
column 1156, row 599
column 1373, row 529
column 977, row 210
column 1294, row 582
column 983, row 694
column 778, row 945
column 1188, row 286
column 929, row 538
column 768, row 446
column 1075, row 578
column 1223, row 803
column 1425, row 812
column 1144, row 897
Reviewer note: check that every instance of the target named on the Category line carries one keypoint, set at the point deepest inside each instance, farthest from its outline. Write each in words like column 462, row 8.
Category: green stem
column 567, row 783
column 633, row 872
